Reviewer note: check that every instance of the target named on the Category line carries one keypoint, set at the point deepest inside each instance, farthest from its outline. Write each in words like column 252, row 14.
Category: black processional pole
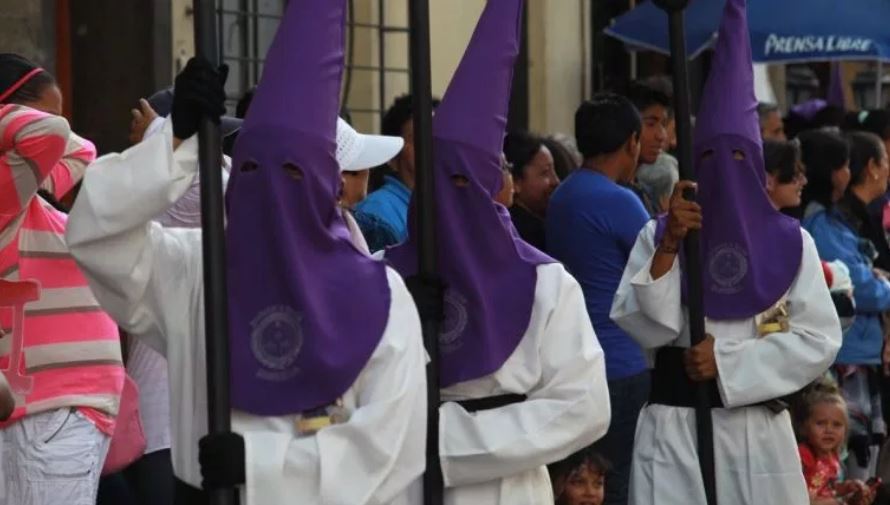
column 426, row 226
column 213, row 237
column 692, row 266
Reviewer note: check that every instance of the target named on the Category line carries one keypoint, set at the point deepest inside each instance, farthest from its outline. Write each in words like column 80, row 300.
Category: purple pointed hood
column 835, row 95
column 306, row 308
column 751, row 252
column 489, row 271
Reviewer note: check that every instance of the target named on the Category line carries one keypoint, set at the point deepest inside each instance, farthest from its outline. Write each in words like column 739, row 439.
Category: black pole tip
column 672, row 5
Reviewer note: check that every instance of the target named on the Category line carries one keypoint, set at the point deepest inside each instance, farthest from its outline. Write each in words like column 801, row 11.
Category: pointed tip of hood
column 300, row 85
column 729, row 105
column 474, row 108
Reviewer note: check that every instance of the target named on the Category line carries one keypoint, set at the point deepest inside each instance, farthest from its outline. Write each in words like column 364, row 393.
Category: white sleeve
column 143, row 275
column 649, row 310
column 373, row 457
column 568, row 410
column 759, row 369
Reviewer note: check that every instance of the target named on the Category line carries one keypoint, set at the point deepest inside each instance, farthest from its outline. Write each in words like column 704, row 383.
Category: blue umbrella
column 782, row 31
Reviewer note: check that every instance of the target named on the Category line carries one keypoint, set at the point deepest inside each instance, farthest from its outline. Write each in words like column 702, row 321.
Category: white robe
column 498, row 456
column 150, row 280
column 757, row 461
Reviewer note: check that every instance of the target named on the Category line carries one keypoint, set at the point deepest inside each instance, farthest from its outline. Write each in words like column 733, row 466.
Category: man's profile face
column 403, row 163
column 772, row 127
column 654, row 138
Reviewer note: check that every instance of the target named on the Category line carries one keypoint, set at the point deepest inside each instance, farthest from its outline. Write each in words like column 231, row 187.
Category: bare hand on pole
column 700, row 362
column 684, row 215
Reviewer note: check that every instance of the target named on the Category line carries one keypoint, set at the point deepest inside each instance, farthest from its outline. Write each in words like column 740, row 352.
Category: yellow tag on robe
column 775, row 320
column 312, row 422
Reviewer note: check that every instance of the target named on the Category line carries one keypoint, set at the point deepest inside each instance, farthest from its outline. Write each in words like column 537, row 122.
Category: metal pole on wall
column 879, row 84
column 213, row 240
column 421, row 86
column 692, row 266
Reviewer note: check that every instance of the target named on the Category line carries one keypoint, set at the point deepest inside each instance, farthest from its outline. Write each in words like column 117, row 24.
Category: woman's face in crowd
column 786, row 195
column 584, row 487
column 654, row 138
column 538, row 181
column 840, row 179
column 826, row 428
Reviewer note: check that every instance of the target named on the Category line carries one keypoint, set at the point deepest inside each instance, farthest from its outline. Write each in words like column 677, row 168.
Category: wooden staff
column 216, row 319
column 692, row 266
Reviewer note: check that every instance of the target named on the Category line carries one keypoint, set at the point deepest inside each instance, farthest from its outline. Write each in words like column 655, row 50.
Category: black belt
column 491, row 402
column 671, row 385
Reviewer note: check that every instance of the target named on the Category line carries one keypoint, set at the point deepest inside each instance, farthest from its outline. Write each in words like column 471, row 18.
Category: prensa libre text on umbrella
column 814, row 43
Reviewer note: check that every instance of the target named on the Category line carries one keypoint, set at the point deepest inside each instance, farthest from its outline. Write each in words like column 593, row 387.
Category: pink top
column 71, row 348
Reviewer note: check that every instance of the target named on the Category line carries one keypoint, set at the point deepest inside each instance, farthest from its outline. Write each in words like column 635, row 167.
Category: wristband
column 667, row 249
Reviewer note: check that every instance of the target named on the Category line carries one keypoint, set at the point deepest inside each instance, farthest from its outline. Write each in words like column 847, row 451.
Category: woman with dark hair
column 875, row 121
column 843, row 233
column 826, row 156
column 534, row 179
column 65, row 367
column 565, row 160
column 785, row 177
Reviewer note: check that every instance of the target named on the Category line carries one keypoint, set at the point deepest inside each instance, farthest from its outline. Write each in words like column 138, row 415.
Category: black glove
column 222, row 460
column 429, row 296
column 199, row 91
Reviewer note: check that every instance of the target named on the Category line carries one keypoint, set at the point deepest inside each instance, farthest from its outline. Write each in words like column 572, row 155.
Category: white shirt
column 150, row 280
column 756, row 454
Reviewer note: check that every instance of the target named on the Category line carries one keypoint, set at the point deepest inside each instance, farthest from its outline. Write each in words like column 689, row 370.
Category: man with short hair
column 387, row 207
column 592, row 224
column 654, row 105
column 655, row 113
column 771, row 125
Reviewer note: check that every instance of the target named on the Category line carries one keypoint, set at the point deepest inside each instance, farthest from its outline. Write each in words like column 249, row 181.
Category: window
column 376, row 52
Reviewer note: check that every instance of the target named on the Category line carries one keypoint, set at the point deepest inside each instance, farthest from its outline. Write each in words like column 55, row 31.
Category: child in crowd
column 822, row 424
column 580, row 479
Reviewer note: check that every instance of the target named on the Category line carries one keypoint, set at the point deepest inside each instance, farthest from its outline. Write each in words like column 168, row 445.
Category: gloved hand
column 429, row 296
column 199, row 91
column 222, row 460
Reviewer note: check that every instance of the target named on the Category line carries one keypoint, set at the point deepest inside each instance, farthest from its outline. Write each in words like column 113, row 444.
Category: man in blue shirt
column 592, row 225
column 384, row 213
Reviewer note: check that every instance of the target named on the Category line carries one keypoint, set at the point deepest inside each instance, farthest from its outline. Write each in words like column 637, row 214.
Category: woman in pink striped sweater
column 66, row 372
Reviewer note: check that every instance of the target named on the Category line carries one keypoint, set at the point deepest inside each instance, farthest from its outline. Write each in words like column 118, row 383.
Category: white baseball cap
column 357, row 151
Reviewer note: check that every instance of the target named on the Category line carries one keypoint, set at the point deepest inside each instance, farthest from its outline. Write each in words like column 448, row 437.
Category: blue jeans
column 628, row 397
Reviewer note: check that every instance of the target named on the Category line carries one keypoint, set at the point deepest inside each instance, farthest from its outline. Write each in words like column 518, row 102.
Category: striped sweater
column 71, row 348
